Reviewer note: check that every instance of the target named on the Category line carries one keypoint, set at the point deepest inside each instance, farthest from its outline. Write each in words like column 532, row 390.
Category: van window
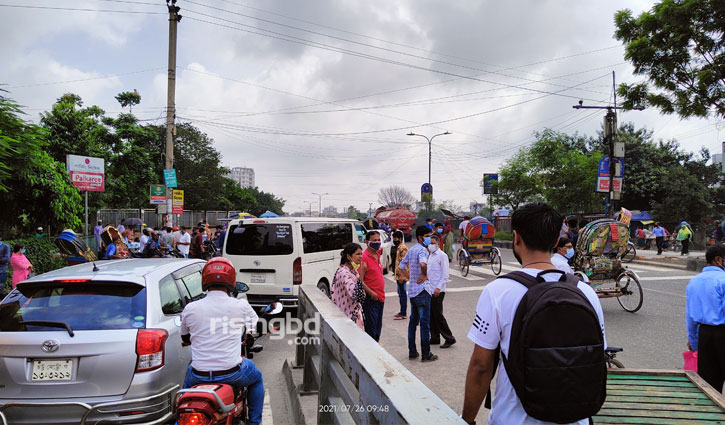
column 260, row 239
column 320, row 237
column 170, row 298
column 191, row 287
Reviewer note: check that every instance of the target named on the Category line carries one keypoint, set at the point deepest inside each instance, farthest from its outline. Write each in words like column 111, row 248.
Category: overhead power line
column 85, row 79
column 77, row 9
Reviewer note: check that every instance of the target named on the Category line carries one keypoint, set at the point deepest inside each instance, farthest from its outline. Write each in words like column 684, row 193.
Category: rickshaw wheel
column 463, row 263
column 496, row 262
column 630, row 292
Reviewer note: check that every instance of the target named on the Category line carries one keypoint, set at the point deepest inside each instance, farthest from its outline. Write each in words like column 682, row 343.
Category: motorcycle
column 216, row 403
column 210, row 250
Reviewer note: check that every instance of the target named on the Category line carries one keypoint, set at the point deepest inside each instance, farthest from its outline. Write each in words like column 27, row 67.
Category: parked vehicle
column 96, row 342
column 400, row 218
column 276, row 255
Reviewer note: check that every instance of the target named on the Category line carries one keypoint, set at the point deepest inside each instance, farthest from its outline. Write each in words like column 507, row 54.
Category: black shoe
column 436, row 342
column 413, row 356
column 431, row 358
column 448, row 344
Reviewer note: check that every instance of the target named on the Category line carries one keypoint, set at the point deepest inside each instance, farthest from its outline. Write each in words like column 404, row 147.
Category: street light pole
column 320, row 195
column 309, row 207
column 430, row 147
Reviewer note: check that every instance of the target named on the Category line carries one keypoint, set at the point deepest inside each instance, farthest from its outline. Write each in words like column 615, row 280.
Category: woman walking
column 20, row 264
column 684, row 236
column 347, row 291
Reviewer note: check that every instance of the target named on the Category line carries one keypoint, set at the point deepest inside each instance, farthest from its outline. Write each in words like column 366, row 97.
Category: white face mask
column 432, row 248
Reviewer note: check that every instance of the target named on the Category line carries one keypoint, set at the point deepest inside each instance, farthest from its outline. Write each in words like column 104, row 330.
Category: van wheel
column 322, row 286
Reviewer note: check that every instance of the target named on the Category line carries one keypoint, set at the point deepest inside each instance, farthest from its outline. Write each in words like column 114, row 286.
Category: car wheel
column 322, row 286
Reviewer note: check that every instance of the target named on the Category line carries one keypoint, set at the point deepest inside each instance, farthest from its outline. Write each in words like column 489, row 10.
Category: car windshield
column 81, row 305
column 260, row 239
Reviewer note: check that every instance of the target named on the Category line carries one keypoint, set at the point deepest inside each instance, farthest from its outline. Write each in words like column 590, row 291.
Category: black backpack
column 556, row 358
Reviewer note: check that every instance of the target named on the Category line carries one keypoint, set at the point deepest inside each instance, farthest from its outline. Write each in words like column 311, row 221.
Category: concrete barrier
column 356, row 380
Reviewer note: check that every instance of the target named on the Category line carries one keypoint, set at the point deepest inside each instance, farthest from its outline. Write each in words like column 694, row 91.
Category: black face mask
column 396, row 243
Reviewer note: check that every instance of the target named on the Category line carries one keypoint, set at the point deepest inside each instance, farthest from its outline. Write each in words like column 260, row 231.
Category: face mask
column 396, row 243
column 569, row 252
column 22, row 251
column 440, row 230
column 426, row 241
column 433, row 248
column 375, row 245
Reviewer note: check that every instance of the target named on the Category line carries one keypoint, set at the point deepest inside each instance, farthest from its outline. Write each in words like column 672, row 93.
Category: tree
column 678, row 46
column 264, row 201
column 516, row 185
column 394, row 196
column 129, row 99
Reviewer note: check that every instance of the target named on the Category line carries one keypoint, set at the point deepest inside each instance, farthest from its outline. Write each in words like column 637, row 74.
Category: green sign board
column 157, row 194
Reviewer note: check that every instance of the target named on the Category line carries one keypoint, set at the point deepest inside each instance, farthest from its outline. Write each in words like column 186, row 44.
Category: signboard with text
column 170, row 177
column 489, row 184
column 177, row 202
column 86, row 172
column 603, row 175
column 157, row 194
column 426, row 188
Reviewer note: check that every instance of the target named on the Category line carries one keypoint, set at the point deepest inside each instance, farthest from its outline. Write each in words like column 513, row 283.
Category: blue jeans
column 403, row 295
column 373, row 311
column 247, row 376
column 420, row 313
column 3, row 279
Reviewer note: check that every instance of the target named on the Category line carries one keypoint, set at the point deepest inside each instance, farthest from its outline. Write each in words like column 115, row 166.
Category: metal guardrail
column 356, row 380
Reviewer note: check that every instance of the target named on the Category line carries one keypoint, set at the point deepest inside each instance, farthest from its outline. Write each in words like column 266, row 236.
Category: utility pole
column 174, row 19
column 309, row 208
column 616, row 149
column 370, row 209
column 430, row 147
column 320, row 195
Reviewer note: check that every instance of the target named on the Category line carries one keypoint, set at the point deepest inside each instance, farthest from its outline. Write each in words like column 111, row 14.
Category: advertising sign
column 170, row 177
column 603, row 175
column 86, row 172
column 177, row 206
column 157, row 194
column 489, row 186
column 426, row 188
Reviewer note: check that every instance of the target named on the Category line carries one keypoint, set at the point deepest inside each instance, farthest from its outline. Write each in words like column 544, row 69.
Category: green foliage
column 503, row 236
column 678, row 47
column 263, row 202
column 128, row 98
column 41, row 253
column 516, row 185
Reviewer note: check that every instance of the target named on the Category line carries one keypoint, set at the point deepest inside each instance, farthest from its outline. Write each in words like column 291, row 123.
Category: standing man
column 659, row 233
column 197, row 243
column 4, row 261
column 462, row 228
column 145, row 233
column 371, row 275
column 705, row 316
column 429, row 224
column 438, row 230
column 168, row 240
column 184, row 241
column 438, row 276
column 419, row 293
column 401, row 250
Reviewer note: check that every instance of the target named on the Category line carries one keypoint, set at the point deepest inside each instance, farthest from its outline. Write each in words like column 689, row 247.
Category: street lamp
column 320, row 195
column 309, row 207
column 430, row 143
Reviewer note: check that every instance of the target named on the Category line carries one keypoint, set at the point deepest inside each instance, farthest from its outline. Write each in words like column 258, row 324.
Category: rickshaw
column 107, row 235
column 598, row 262
column 477, row 248
column 74, row 248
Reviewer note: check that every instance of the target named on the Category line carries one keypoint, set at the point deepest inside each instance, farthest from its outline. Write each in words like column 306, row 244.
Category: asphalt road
column 652, row 338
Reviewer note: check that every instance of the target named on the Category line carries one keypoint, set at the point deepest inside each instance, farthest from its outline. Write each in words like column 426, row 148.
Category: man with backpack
column 552, row 364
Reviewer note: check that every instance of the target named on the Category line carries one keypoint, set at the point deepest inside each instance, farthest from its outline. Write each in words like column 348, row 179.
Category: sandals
column 399, row 317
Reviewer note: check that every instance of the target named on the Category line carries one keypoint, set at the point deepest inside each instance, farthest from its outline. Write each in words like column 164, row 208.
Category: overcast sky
column 318, row 95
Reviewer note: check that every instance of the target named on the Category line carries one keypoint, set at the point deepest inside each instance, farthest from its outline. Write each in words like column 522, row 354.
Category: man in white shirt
column 563, row 252
column 462, row 228
column 535, row 229
column 438, row 276
column 213, row 326
column 145, row 235
column 184, row 241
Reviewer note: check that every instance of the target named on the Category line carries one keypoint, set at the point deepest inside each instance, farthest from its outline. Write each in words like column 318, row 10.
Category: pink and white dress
column 345, row 293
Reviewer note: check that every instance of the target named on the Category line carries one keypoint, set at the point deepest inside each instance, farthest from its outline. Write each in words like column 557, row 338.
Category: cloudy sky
column 318, row 95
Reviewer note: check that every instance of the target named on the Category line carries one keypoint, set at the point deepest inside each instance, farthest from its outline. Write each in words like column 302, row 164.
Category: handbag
column 690, row 358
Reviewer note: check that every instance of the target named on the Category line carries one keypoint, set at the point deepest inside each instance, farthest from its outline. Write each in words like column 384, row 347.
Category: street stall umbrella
column 69, row 244
column 269, row 214
column 242, row 215
column 132, row 222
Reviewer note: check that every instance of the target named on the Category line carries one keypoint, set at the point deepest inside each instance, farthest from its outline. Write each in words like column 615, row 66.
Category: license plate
column 52, row 370
column 259, row 278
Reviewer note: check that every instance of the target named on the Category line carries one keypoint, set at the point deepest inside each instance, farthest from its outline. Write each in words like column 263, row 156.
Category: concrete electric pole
column 174, row 19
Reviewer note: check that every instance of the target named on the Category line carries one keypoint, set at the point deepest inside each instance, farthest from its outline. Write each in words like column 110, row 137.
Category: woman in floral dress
column 347, row 291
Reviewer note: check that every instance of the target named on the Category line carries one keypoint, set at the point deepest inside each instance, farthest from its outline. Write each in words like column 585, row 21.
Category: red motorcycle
column 219, row 404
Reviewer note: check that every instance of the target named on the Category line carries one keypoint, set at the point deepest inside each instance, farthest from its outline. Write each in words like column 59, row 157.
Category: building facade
column 243, row 176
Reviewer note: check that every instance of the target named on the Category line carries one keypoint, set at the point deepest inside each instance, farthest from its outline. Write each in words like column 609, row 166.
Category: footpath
column 694, row 260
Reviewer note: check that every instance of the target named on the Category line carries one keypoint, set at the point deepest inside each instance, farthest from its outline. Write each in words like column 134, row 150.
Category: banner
column 177, row 206
column 170, row 177
column 86, row 172
column 157, row 194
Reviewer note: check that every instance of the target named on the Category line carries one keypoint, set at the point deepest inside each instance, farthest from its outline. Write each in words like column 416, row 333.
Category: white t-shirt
column 561, row 263
column 462, row 226
column 215, row 324
column 143, row 239
column 184, row 249
column 438, row 270
column 492, row 325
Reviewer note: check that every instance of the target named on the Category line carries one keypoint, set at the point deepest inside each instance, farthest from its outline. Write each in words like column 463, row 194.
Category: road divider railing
column 356, row 380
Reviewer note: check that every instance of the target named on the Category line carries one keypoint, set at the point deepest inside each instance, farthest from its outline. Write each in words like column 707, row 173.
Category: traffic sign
column 170, row 177
column 157, row 194
column 177, row 206
column 603, row 175
column 489, row 184
column 426, row 188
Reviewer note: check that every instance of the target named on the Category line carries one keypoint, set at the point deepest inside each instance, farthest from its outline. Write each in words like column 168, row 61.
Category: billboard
column 489, row 186
column 157, row 194
column 86, row 172
column 177, row 199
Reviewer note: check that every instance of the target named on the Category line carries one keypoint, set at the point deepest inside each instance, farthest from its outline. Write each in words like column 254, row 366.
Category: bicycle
column 630, row 253
column 609, row 355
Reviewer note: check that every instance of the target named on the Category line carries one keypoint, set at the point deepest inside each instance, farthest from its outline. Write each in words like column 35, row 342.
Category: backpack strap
column 521, row 277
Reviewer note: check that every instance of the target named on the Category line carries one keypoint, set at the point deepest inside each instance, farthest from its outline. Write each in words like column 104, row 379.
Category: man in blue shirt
column 4, row 261
column 660, row 234
column 419, row 293
column 705, row 315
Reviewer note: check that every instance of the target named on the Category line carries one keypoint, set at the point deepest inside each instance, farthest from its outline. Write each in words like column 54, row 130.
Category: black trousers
column 660, row 239
column 685, row 246
column 438, row 324
column 711, row 355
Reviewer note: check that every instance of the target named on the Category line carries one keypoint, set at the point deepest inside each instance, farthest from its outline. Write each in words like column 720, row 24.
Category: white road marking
column 457, row 273
column 656, row 278
column 267, row 409
column 665, row 292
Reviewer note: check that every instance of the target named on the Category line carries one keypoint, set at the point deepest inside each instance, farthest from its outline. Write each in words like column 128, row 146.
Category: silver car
column 96, row 343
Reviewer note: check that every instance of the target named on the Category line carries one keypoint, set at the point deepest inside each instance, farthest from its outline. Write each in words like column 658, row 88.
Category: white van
column 275, row 255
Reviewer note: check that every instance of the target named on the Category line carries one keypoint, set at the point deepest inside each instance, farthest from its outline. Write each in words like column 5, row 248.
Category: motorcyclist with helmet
column 213, row 326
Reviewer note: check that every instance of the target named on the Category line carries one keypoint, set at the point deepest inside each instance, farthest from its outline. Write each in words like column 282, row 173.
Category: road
column 652, row 338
